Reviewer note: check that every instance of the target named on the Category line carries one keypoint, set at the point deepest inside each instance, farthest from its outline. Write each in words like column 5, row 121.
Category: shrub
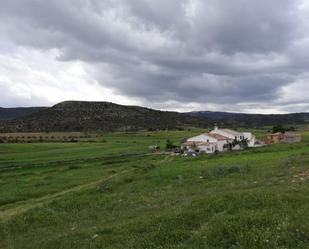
column 72, row 167
column 234, row 169
column 278, row 128
column 170, row 144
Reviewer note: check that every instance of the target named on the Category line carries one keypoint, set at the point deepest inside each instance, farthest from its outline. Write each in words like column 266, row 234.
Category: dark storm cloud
column 213, row 51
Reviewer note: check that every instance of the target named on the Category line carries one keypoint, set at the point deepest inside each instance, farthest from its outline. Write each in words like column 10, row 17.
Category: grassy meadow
column 116, row 194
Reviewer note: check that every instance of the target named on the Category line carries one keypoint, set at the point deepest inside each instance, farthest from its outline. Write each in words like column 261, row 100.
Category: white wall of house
column 220, row 145
column 238, row 135
column 209, row 149
column 251, row 138
column 215, row 144
column 202, row 138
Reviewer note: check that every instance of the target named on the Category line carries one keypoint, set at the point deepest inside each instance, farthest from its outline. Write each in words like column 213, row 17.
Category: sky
column 183, row 55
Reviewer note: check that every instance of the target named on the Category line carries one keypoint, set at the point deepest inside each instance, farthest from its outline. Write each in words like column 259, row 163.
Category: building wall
column 220, row 145
column 202, row 138
column 285, row 138
column 273, row 139
column 209, row 149
column 292, row 138
column 251, row 138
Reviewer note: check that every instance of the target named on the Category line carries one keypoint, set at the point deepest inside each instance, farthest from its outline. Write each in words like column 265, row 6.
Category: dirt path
column 9, row 210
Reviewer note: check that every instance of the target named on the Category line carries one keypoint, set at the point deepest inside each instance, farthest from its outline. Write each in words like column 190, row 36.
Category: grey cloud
column 216, row 51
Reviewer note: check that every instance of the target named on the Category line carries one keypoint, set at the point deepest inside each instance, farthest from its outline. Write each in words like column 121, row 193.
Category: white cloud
column 30, row 77
column 180, row 55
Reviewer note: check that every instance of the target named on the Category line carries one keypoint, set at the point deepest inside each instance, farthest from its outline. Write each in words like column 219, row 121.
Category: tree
column 278, row 128
column 244, row 143
column 170, row 144
column 235, row 143
column 292, row 128
column 228, row 146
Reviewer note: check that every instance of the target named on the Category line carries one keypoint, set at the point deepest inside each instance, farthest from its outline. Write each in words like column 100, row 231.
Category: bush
column 224, row 171
column 278, row 128
column 292, row 128
column 72, row 167
column 170, row 144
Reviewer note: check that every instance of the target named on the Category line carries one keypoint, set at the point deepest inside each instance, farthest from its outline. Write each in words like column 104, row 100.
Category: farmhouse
column 218, row 140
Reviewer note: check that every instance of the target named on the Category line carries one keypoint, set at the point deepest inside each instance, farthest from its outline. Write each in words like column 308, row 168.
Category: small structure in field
column 288, row 137
column 275, row 138
column 153, row 147
column 292, row 137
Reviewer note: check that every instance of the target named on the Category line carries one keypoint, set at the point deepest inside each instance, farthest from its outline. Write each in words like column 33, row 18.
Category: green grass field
column 116, row 194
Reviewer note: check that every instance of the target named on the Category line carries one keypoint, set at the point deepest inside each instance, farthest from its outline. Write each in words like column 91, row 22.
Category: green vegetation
column 116, row 194
column 282, row 129
column 170, row 144
column 278, row 128
column 99, row 116
column 68, row 137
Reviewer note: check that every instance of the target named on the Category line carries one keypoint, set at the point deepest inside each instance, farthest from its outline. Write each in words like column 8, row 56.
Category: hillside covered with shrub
column 99, row 116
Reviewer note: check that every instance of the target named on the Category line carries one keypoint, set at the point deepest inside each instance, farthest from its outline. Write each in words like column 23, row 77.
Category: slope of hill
column 18, row 112
column 106, row 116
column 99, row 116
column 251, row 120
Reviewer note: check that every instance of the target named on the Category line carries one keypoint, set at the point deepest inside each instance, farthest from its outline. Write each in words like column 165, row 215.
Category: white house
column 206, row 142
column 216, row 140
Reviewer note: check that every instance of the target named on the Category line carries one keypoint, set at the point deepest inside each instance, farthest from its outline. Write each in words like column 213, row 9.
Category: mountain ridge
column 252, row 120
column 108, row 116
column 99, row 116
column 18, row 112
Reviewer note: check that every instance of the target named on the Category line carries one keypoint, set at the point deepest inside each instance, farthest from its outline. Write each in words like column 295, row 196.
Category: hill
column 18, row 112
column 99, row 116
column 251, row 120
column 105, row 116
